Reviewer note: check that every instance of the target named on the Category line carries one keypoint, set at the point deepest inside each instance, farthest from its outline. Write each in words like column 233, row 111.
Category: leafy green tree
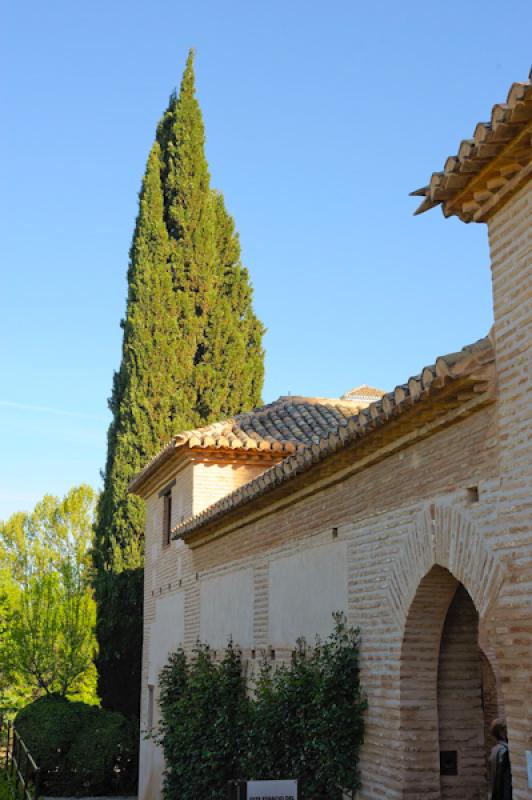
column 52, row 632
column 141, row 407
column 192, row 353
column 47, row 639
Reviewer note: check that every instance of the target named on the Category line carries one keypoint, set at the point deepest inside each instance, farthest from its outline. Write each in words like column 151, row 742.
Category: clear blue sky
column 320, row 118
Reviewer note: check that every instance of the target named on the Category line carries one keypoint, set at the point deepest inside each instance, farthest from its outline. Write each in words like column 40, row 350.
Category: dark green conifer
column 192, row 353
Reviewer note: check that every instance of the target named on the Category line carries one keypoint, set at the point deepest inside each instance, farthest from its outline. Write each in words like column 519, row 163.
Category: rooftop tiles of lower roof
column 282, row 427
column 451, row 367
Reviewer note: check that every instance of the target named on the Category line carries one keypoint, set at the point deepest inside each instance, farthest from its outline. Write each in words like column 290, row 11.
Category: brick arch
column 442, row 535
column 441, row 552
column 491, row 697
column 420, row 651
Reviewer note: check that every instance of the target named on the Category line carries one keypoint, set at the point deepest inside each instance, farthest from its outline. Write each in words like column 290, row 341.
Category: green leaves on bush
column 5, row 790
column 81, row 749
column 302, row 721
column 307, row 719
column 203, row 714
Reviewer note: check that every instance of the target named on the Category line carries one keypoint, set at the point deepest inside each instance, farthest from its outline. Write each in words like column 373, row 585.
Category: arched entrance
column 445, row 680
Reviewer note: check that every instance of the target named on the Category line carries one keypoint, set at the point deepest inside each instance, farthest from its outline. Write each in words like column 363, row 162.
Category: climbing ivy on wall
column 304, row 720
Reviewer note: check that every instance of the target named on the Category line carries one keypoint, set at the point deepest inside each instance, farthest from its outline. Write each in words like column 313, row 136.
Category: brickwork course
column 409, row 509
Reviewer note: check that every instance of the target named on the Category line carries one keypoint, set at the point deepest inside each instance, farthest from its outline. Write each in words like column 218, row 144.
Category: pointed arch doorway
column 445, row 680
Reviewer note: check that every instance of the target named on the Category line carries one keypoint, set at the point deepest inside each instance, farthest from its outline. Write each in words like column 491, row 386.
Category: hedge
column 81, row 749
column 304, row 720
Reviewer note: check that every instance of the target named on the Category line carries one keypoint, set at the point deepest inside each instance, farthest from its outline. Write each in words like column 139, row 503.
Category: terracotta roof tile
column 509, row 125
column 363, row 394
column 284, row 426
column 350, row 425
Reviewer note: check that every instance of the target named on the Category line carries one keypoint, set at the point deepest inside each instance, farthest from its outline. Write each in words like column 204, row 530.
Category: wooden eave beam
column 216, row 455
column 174, row 462
column 496, row 199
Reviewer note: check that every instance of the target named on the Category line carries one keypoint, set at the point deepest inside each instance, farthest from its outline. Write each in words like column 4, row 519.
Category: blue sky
column 320, row 119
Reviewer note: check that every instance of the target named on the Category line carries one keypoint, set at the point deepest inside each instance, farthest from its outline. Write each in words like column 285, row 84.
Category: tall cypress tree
column 192, row 353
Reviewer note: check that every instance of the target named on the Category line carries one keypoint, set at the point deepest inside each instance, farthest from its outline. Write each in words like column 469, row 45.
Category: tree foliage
column 307, row 719
column 191, row 353
column 303, row 721
column 81, row 750
column 204, row 710
column 47, row 640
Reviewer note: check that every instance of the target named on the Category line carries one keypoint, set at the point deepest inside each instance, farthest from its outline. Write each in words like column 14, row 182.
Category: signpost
column 264, row 790
column 272, row 790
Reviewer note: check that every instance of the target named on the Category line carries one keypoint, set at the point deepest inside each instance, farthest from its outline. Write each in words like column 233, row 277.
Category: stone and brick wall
column 389, row 544
column 510, row 237
column 170, row 587
column 293, row 570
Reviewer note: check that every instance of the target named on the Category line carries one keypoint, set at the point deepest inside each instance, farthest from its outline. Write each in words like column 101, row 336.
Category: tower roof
column 488, row 167
column 281, row 428
column 469, row 367
column 363, row 394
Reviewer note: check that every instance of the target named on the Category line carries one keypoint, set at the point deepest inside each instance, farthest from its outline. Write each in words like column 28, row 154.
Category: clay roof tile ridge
column 359, row 424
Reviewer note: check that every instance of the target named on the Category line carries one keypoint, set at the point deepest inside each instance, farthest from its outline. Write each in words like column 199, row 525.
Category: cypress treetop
column 192, row 353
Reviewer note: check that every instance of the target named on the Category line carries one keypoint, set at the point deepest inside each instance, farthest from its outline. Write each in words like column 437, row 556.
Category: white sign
column 529, row 767
column 272, row 790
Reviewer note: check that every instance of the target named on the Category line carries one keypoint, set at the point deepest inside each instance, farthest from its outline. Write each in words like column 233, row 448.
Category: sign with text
column 272, row 790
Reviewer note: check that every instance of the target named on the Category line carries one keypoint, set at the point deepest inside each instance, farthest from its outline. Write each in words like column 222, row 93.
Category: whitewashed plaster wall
column 305, row 589
column 167, row 632
column 226, row 603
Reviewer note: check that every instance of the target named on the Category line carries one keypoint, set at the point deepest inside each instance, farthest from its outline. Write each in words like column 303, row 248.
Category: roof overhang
column 488, row 168
column 268, row 433
column 176, row 455
column 455, row 386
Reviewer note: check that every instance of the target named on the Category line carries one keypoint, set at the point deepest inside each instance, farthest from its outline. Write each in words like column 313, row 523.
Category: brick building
column 410, row 510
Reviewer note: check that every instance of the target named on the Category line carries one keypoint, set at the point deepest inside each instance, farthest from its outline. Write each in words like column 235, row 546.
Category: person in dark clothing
column 500, row 770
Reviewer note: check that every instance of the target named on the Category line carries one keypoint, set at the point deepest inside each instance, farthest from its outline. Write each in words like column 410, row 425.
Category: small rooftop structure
column 363, row 394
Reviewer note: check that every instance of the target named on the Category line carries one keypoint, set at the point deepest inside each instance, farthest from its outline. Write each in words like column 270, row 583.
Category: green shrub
column 203, row 710
column 103, row 755
column 48, row 727
column 307, row 719
column 5, row 792
column 80, row 749
column 303, row 721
